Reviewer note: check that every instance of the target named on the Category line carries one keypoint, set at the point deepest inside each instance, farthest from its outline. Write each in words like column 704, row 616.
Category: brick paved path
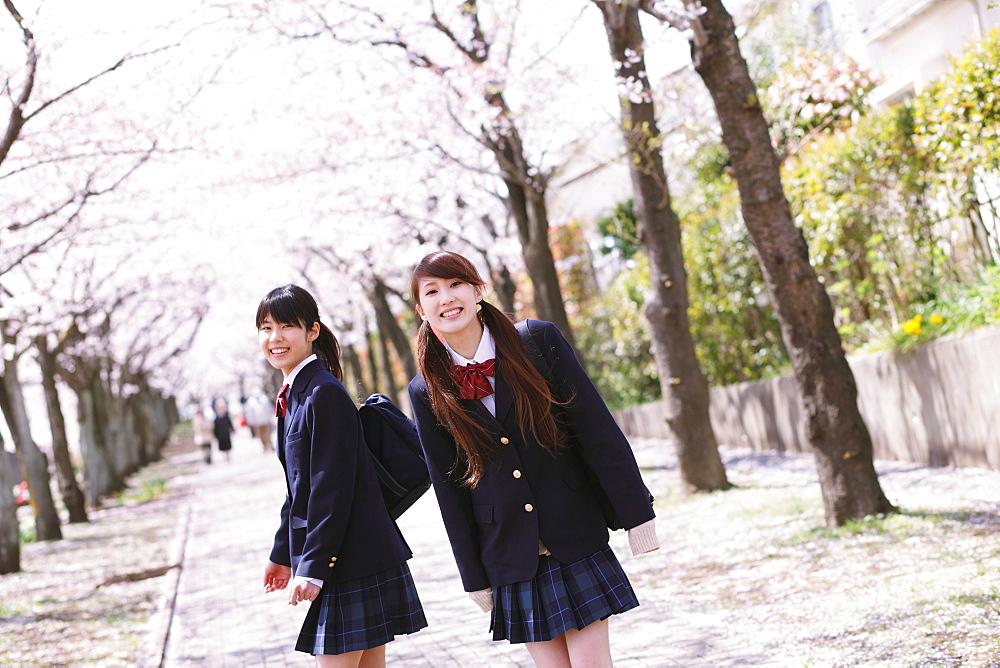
column 222, row 617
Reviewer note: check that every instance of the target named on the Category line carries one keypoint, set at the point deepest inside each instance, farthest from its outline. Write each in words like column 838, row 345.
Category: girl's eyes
column 454, row 284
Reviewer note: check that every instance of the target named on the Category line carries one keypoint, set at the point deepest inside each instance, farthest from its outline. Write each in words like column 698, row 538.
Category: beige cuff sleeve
column 483, row 598
column 643, row 539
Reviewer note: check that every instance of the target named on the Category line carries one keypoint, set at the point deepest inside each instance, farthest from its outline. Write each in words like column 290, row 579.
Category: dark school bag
column 396, row 453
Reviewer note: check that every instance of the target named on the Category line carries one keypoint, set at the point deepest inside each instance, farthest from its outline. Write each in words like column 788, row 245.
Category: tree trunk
column 388, row 379
column 685, row 389
column 72, row 495
column 151, row 422
column 352, row 364
column 372, row 362
column 526, row 188
column 99, row 426
column 833, row 426
column 33, row 461
column 503, row 285
column 389, row 327
column 10, row 532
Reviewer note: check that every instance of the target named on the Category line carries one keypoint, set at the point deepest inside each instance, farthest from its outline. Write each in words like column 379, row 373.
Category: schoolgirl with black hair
column 336, row 546
column 509, row 450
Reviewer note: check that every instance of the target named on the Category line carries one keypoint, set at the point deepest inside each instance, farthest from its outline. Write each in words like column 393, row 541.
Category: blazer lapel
column 302, row 381
column 504, row 398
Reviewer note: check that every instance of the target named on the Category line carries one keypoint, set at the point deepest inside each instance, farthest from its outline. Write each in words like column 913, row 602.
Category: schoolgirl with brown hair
column 336, row 547
column 509, row 450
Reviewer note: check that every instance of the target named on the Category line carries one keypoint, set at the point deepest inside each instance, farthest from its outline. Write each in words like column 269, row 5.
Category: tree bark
column 389, row 328
column 352, row 364
column 32, row 460
column 72, row 495
column 833, row 424
column 526, row 191
column 388, row 380
column 685, row 389
column 10, row 532
column 505, row 288
column 99, row 427
column 372, row 362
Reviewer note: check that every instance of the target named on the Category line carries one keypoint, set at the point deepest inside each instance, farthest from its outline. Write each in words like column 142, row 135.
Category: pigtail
column 533, row 397
column 434, row 361
column 327, row 348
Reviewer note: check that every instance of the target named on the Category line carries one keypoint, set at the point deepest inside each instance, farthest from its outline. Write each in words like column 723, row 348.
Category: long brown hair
column 533, row 400
column 293, row 305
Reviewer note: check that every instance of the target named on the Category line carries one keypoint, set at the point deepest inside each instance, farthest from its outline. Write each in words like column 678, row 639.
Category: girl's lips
column 279, row 351
column 450, row 313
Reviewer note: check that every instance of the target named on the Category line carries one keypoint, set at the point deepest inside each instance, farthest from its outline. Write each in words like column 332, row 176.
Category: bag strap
column 534, row 352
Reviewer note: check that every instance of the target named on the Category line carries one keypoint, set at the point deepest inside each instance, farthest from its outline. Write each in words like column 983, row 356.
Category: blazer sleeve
column 454, row 500
column 335, row 440
column 593, row 429
column 281, row 551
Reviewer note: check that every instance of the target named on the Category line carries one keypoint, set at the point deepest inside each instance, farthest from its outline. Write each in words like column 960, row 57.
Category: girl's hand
column 302, row 590
column 276, row 576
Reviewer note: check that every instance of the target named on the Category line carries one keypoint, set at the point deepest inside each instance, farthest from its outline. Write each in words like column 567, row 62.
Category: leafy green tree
column 616, row 338
column 898, row 207
column 620, row 230
column 833, row 425
column 738, row 336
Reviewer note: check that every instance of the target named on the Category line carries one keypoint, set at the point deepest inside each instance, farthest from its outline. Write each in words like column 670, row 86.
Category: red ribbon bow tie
column 281, row 403
column 472, row 379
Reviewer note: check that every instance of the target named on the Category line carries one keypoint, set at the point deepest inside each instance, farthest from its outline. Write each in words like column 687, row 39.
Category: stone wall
column 937, row 405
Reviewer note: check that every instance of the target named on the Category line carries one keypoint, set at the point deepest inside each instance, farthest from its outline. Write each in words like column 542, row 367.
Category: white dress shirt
column 487, row 350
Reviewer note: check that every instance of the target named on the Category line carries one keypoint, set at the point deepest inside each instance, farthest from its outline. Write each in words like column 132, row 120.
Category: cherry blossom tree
column 833, row 424
column 684, row 387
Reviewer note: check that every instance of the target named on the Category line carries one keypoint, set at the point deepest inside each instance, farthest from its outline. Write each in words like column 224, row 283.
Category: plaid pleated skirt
column 363, row 613
column 561, row 597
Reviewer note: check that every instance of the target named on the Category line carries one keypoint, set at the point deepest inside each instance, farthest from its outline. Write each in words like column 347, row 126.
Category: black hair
column 291, row 304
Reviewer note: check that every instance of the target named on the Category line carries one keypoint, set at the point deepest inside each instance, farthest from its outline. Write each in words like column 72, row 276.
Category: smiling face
column 285, row 344
column 449, row 306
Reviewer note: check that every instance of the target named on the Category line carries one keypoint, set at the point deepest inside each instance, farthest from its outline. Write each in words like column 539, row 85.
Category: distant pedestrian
column 347, row 555
column 259, row 413
column 204, row 432
column 224, row 429
column 508, row 450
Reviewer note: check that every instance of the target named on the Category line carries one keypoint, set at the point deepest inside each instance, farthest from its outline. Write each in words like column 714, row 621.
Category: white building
column 908, row 43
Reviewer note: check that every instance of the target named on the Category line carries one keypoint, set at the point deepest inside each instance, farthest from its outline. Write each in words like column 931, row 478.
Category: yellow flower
column 936, row 319
column 912, row 326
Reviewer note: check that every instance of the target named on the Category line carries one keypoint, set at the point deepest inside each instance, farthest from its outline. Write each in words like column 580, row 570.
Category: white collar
column 290, row 378
column 486, row 351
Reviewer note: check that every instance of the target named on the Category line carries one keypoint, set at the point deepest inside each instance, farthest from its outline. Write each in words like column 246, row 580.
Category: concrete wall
column 938, row 405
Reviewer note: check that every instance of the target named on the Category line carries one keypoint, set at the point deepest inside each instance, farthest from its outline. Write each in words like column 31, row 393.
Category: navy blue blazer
column 334, row 524
column 525, row 493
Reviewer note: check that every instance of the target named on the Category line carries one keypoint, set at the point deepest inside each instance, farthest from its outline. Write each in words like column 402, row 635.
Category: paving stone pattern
column 222, row 617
